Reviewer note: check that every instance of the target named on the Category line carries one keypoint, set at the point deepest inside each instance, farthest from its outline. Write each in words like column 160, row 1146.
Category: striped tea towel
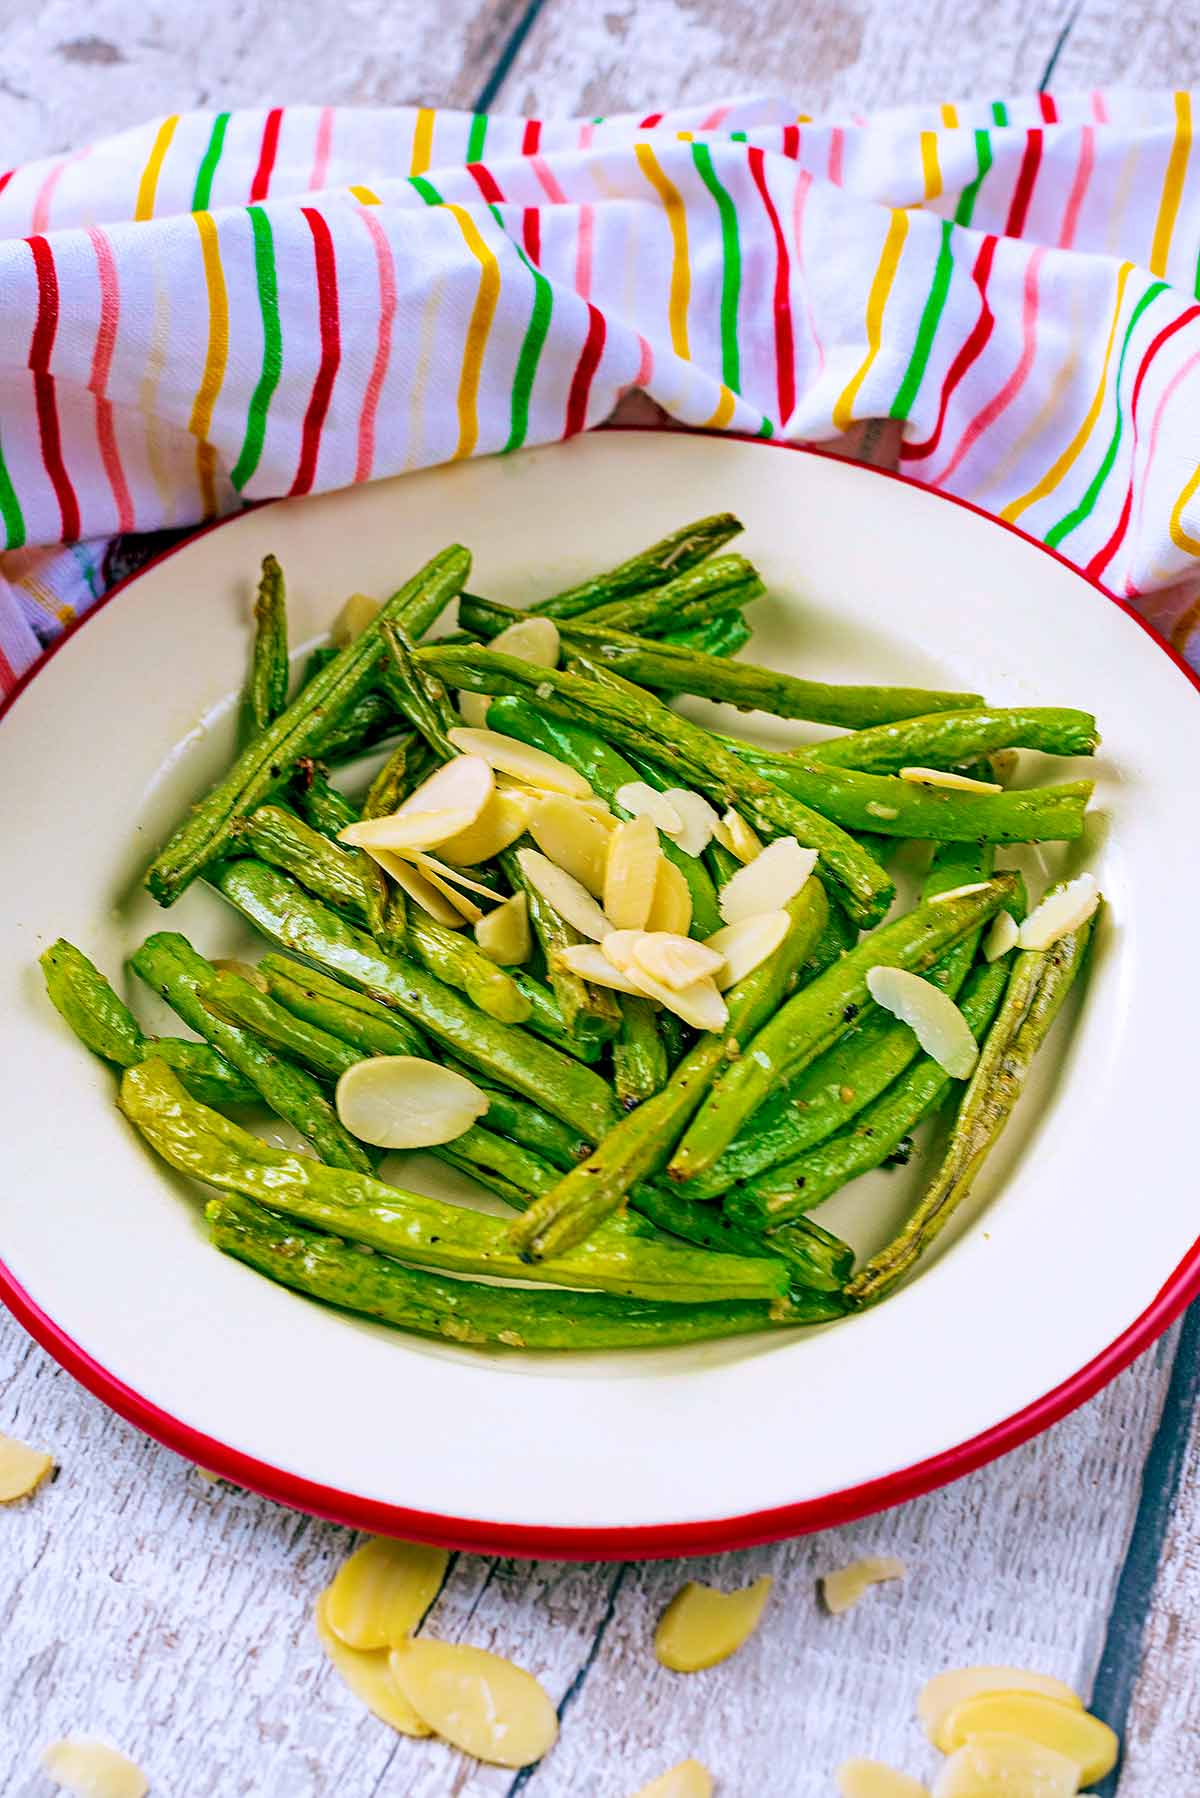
column 220, row 307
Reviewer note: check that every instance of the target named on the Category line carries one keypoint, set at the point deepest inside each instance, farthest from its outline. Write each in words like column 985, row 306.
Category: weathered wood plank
column 1143, row 44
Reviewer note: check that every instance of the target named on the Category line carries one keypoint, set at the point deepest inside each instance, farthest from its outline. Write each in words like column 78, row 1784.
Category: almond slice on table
column 589, row 961
column 503, row 934
column 1004, row 1766
column 510, row 756
column 367, row 1674
column 933, row 1017
column 402, row 1102
column 769, row 882
column 380, row 1594
column 944, row 1693
column 483, row 1704
column 698, row 820
column 630, row 873
column 422, row 892
column 93, row 1770
column 687, row 1780
column 745, row 946
column 530, row 640
column 671, row 906
column 358, row 612
column 701, row 1626
column 1084, row 1739
column 503, row 819
column 22, row 1469
column 1060, row 913
column 733, row 833
column 560, row 890
column 871, row 1779
column 640, row 799
column 846, row 1585
column 1001, row 937
column 675, row 961
column 573, row 838
column 941, row 777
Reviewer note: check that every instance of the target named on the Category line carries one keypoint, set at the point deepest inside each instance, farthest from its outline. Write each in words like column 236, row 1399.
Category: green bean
column 167, row 963
column 639, row 1056
column 798, row 1185
column 714, row 586
column 551, row 1141
column 105, row 1025
column 1039, row 982
column 391, row 785
column 458, row 960
column 412, row 1226
column 342, row 1011
column 268, row 761
column 640, row 1145
column 345, row 878
column 320, row 804
column 416, row 691
column 723, row 635
column 286, row 914
column 663, row 561
column 370, row 721
column 237, row 1001
column 815, row 1257
column 268, row 687
column 516, row 1174
column 946, row 739
column 823, row 1011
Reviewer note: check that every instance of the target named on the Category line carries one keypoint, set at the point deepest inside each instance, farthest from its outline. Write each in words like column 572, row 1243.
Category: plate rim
column 630, row 1542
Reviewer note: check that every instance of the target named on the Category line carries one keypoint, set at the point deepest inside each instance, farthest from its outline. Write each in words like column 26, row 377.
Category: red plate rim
column 644, row 1542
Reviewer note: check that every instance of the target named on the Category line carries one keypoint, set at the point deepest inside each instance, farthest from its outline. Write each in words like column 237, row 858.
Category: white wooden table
column 141, row 1603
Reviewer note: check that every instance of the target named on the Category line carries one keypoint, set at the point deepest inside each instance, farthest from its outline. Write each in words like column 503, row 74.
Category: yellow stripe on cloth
column 216, row 357
column 148, row 185
column 482, row 314
column 1179, row 537
column 365, row 196
column 950, row 116
column 724, row 410
column 422, row 150
column 931, row 168
column 1172, row 193
column 681, row 273
column 881, row 287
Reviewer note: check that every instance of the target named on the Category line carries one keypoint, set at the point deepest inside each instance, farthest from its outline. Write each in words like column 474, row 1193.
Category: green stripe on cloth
column 272, row 362
column 970, row 193
column 10, row 509
column 475, row 139
column 731, row 277
column 426, row 189
column 927, row 330
column 208, row 165
column 999, row 112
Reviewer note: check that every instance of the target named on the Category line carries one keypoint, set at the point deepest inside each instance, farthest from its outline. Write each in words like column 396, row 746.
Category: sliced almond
column 931, row 1014
column 366, row 1672
column 769, row 882
column 1060, row 913
column 473, row 708
column 600, row 810
column 402, row 1102
column 943, row 1693
column 503, row 819
column 641, row 800
column 701, row 1626
column 93, row 1769
column 885, row 813
column 630, row 873
column 573, row 838
column 510, row 756
column 846, row 1585
column 589, row 961
column 963, row 892
column 403, row 831
column 454, row 877
column 941, row 777
column 227, row 964
column 503, row 934
column 687, row 1780
column 464, row 784
column 698, row 820
column 421, row 891
column 358, row 612
column 1001, row 937
column 531, row 640
column 745, row 946
column 560, row 890
column 1084, row 1739
column 700, row 1004
column 22, row 1469
column 379, row 1596
column 483, row 1704
column 871, row 1779
column 675, row 961
column 733, row 833
column 671, row 906
column 1004, row 1766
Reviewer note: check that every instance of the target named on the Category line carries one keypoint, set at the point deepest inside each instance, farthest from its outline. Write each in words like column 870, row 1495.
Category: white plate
column 1080, row 1243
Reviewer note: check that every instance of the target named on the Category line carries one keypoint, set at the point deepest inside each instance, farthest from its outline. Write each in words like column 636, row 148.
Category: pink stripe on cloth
column 1164, row 399
column 383, row 349
column 1083, row 174
column 106, row 340
column 837, row 138
column 545, row 175
column 804, row 183
column 987, row 415
column 320, row 167
column 583, row 254
column 45, row 193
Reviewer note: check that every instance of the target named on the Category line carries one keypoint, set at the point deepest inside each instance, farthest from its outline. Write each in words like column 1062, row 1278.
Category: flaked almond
column 931, row 1014
column 671, row 906
column 379, row 1596
column 421, row 891
column 1001, row 937
column 473, row 708
column 503, row 819
column 402, row 1102
column 358, row 612
column 464, row 784
column 1060, row 913
column 573, row 838
column 641, row 800
column 1004, row 1766
column 733, row 833
column 746, row 945
column 564, row 893
column 600, row 810
column 483, row 1704
column 700, row 1004
column 769, row 882
column 846, row 1585
column 698, row 820
column 630, row 872
column 404, row 831
column 22, row 1469
column 447, row 803
column 503, row 934
column 675, row 961
column 942, row 777
column 871, row 1779
column 367, row 1673
column 701, row 1626
column 687, row 1780
column 452, row 877
column 589, row 961
column 228, row 964
column 1084, row 1739
column 885, row 813
column 963, row 892
column 943, row 1693
column 510, row 756
column 93, row 1770
column 531, row 640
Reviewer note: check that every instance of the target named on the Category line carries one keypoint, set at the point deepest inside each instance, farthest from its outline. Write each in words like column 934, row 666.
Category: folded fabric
column 215, row 308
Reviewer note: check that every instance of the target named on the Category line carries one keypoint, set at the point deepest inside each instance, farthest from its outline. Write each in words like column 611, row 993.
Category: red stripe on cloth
column 5, row 178
column 8, row 674
column 785, row 344
column 531, row 233
column 266, row 155
column 485, row 181
column 791, row 141
column 106, row 340
column 650, row 121
column 1049, row 109
column 1023, row 191
column 532, row 137
column 331, row 351
column 1104, row 556
column 40, row 347
column 585, row 368
column 970, row 352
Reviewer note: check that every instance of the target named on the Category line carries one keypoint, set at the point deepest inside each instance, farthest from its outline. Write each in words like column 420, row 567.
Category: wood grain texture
column 1140, row 44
